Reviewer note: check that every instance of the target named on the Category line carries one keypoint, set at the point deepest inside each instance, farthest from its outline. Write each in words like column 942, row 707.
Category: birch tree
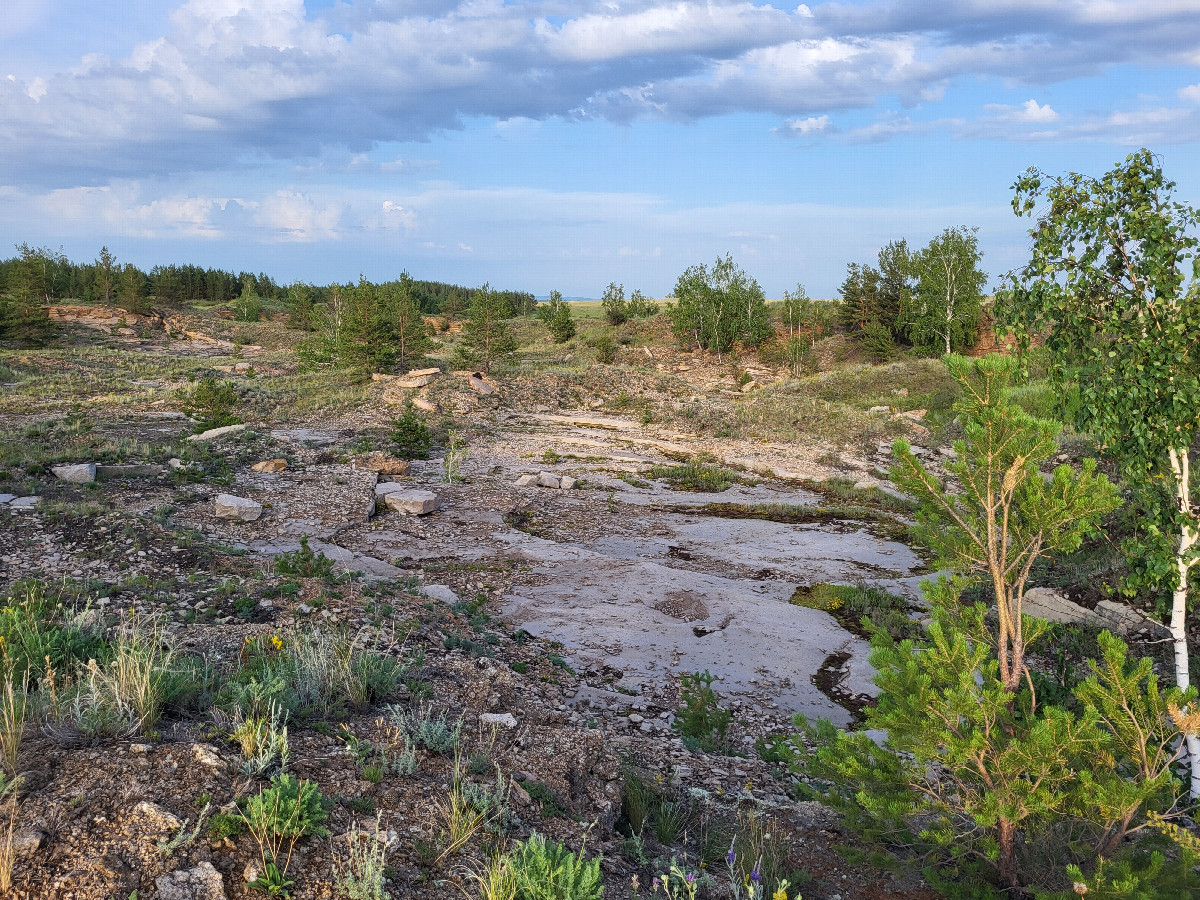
column 945, row 312
column 1114, row 284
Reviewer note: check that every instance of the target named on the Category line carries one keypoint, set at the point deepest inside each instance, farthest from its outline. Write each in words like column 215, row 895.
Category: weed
column 225, row 824
column 546, row 870
column 359, row 874
column 638, row 797
column 671, row 817
column 14, row 702
column 456, row 452
column 555, row 660
column 278, row 817
column 551, row 803
column 861, row 609
column 183, row 837
column 263, row 739
column 459, row 820
column 429, row 729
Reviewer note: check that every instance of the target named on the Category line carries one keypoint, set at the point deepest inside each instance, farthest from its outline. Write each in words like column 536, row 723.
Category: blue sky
column 553, row 144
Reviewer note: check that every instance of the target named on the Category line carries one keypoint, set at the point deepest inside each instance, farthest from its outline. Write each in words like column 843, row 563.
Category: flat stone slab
column 381, row 463
column 1048, row 604
column 5, row 498
column 75, row 473
column 269, row 466
column 441, row 593
column 24, row 503
column 411, row 503
column 238, row 509
column 499, row 720
column 147, row 470
column 217, row 432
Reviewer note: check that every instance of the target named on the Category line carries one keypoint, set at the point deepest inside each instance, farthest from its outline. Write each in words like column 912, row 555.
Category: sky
column 564, row 144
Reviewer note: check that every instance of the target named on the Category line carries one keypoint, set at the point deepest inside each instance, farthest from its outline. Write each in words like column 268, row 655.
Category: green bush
column 562, row 326
column 304, row 562
column 212, row 404
column 37, row 632
column 546, row 870
column 278, row 817
column 606, row 349
column 702, row 717
column 704, row 477
column 410, row 436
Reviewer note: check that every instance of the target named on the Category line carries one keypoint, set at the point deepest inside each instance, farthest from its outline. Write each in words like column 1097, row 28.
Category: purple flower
column 755, row 875
column 731, row 855
column 690, row 878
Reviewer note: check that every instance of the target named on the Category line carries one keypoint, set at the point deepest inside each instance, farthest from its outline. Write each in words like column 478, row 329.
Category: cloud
column 809, row 127
column 292, row 216
column 1190, row 93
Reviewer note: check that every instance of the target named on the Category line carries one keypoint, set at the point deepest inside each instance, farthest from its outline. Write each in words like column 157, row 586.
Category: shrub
column 211, row 403
column 38, row 632
column 616, row 307
column 606, row 349
column 429, row 729
column 303, row 562
column 702, row 717
column 263, row 739
column 410, row 436
column 546, row 870
column 562, row 326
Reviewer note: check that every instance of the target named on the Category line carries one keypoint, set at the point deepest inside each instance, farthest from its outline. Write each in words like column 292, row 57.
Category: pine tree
column 486, row 339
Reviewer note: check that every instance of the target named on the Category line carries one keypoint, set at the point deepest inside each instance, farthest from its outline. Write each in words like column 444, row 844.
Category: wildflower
column 1080, row 888
column 634, row 883
column 690, row 878
column 755, row 874
column 731, row 856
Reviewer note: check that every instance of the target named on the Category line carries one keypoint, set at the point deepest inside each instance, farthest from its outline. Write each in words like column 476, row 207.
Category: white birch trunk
column 1187, row 540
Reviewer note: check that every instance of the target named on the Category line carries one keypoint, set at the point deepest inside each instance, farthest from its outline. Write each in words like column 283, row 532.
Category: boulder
column 441, row 593
column 411, row 503
column 200, row 883
column 24, row 503
column 526, row 480
column 479, row 384
column 548, row 479
column 417, row 378
column 75, row 473
column 105, row 473
column 423, row 404
column 387, row 487
column 217, row 432
column 238, row 509
column 381, row 463
column 567, row 483
column 269, row 466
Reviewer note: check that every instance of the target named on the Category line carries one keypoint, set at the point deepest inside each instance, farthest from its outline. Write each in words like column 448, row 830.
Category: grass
column 860, row 608
column 696, row 476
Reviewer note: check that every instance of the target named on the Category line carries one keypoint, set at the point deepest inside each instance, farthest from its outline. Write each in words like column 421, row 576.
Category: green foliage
column 976, row 770
column 22, row 317
column 562, row 326
column 718, row 307
column 411, row 437
column 1002, row 493
column 247, row 306
column 702, row 718
column 616, row 307
column 640, row 306
column 546, row 870
column 301, row 309
column 944, row 313
column 1112, row 283
column 225, row 825
column 39, row 634
column 695, row 476
column 211, row 403
column 606, row 349
column 289, row 809
column 486, row 338
column 303, row 562
column 368, row 327
column 876, row 339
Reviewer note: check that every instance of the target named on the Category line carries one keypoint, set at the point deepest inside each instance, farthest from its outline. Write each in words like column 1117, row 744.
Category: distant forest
column 108, row 281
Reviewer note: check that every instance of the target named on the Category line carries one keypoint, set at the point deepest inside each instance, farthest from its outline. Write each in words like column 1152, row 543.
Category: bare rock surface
column 214, row 433
column 203, row 882
column 269, row 466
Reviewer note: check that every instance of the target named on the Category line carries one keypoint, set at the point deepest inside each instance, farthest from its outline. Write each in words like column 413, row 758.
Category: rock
column 750, row 386
column 1122, row 619
column 381, row 376
column 27, row 842
column 423, row 404
column 238, row 509
column 269, row 466
column 499, row 720
column 411, row 503
column 567, row 483
column 547, row 479
column 217, row 432
column 177, row 464
column 418, row 378
column 526, row 480
column 24, row 503
column 76, row 473
column 201, row 883
column 381, row 463
column 157, row 818
column 4, row 498
column 251, row 871
column 206, row 755
column 441, row 593
column 863, row 485
column 518, row 794
column 879, row 409
column 479, row 384
column 1048, row 604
